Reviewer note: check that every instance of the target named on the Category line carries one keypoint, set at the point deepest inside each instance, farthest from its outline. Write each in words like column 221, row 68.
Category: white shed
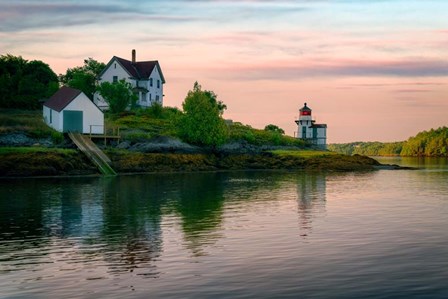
column 70, row 110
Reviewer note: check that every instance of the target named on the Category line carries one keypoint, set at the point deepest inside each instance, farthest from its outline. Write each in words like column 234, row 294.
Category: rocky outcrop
column 162, row 144
column 21, row 139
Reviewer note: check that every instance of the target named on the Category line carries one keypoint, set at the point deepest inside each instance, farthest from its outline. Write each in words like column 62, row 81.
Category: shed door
column 314, row 133
column 72, row 121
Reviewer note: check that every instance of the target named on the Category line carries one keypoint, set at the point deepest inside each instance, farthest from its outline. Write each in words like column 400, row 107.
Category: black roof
column 305, row 108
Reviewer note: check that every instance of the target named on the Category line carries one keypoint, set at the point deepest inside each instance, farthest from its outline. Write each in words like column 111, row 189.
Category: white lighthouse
column 308, row 130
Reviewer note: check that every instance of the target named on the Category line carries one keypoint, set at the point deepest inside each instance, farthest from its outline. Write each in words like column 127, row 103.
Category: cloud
column 292, row 70
column 19, row 16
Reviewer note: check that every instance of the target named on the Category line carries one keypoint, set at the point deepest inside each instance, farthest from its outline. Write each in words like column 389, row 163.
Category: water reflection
column 311, row 192
column 117, row 222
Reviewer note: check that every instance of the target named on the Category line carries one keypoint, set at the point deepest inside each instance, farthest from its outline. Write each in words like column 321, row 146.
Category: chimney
column 133, row 56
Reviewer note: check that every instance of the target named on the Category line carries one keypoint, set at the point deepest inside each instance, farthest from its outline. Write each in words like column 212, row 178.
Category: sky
column 372, row 70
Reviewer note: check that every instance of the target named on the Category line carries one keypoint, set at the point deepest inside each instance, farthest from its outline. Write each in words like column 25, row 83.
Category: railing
column 115, row 133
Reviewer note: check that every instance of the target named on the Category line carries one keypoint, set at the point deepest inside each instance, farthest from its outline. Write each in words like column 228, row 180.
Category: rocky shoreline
column 165, row 154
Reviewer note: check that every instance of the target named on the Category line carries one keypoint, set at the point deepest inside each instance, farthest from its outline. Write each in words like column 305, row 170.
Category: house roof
column 62, row 98
column 139, row 70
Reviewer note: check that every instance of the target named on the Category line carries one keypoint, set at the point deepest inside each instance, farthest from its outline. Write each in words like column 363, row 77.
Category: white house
column 310, row 131
column 70, row 110
column 145, row 77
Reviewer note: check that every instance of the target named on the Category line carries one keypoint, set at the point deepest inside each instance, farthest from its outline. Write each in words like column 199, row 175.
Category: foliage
column 275, row 129
column 240, row 132
column 202, row 123
column 118, row 95
column 83, row 77
column 23, row 83
column 432, row 143
column 147, row 123
column 212, row 97
column 368, row 148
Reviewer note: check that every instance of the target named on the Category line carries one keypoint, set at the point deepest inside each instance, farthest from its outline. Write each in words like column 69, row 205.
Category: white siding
column 92, row 116
column 114, row 69
column 53, row 116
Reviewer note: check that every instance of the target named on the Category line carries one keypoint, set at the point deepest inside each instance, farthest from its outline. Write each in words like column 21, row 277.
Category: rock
column 164, row 144
column 16, row 139
column 124, row 145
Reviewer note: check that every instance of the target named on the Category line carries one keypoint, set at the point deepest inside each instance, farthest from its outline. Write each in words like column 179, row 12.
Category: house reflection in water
column 311, row 192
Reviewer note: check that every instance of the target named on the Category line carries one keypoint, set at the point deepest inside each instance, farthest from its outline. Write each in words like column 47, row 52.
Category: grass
column 31, row 122
column 302, row 153
column 27, row 150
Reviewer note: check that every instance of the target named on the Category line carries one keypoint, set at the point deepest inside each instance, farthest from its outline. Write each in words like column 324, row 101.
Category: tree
column 212, row 97
column 83, row 77
column 202, row 123
column 23, row 83
column 275, row 129
column 118, row 95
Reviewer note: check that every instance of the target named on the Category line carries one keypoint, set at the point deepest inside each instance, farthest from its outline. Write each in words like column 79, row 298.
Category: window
column 150, row 81
column 115, row 65
column 115, row 79
column 51, row 116
column 150, row 97
column 158, row 83
column 157, row 98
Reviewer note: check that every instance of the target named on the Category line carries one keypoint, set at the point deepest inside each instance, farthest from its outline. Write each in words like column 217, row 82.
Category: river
column 257, row 234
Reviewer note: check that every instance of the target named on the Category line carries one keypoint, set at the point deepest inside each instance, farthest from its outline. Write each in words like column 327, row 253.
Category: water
column 257, row 234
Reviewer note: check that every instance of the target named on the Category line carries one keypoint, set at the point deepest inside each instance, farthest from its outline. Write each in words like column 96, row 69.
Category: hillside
column 29, row 148
column 432, row 143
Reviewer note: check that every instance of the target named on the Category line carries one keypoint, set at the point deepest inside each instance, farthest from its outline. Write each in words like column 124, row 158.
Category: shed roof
column 62, row 98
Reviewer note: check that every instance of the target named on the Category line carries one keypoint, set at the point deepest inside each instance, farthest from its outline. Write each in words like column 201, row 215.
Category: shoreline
column 54, row 164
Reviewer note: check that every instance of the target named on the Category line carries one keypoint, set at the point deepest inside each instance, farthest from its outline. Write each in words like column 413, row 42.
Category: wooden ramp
column 93, row 153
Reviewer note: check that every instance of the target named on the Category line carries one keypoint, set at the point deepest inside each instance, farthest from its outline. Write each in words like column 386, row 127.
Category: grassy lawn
column 303, row 153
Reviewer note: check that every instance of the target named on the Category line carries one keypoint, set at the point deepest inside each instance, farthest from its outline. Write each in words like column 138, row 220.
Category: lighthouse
column 309, row 131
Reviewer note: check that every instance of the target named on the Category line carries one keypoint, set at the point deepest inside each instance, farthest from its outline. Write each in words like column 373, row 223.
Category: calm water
column 381, row 234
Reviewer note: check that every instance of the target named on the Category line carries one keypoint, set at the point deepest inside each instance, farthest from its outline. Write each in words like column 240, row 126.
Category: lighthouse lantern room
column 308, row 130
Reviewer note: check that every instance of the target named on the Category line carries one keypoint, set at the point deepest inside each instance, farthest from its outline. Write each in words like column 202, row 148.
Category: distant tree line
column 432, row 143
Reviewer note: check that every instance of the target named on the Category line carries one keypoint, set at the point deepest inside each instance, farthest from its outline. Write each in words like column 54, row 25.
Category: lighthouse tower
column 308, row 130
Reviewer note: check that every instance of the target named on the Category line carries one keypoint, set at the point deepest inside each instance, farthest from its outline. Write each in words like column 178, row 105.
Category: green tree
column 274, row 128
column 118, row 95
column 213, row 97
column 202, row 122
column 83, row 77
column 23, row 83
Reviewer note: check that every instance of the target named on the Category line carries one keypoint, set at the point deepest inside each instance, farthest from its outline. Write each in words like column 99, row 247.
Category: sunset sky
column 372, row 70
